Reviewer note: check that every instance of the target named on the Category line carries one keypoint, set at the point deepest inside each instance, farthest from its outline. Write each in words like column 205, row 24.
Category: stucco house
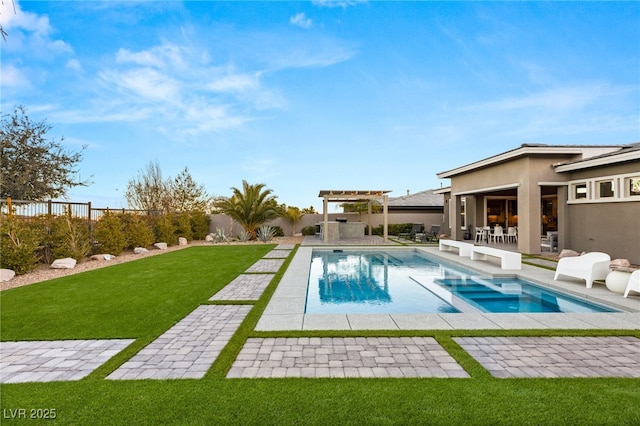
column 588, row 195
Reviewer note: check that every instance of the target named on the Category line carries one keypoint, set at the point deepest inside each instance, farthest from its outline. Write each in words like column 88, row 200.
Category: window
column 633, row 183
column 606, row 189
column 580, row 191
column 463, row 209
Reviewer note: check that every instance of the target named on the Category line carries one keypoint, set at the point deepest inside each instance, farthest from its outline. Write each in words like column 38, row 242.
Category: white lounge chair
column 589, row 267
column 634, row 283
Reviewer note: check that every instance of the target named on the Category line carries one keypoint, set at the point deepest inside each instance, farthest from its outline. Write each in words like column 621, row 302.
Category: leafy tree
column 149, row 191
column 34, row 168
column 187, row 195
column 250, row 206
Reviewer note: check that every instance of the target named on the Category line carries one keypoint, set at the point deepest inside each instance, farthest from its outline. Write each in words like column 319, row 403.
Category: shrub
column 266, row 232
column 165, row 230
column 309, row 230
column 138, row 230
column 182, row 224
column 109, row 234
column 19, row 242
column 69, row 237
column 278, row 232
column 199, row 224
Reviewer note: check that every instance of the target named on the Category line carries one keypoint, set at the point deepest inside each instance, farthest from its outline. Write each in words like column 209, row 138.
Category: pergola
column 345, row 196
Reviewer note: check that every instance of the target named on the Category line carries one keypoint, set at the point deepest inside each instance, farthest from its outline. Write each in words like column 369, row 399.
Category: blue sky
column 304, row 96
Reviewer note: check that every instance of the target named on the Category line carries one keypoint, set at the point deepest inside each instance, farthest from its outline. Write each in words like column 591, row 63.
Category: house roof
column 585, row 151
column 629, row 152
column 422, row 199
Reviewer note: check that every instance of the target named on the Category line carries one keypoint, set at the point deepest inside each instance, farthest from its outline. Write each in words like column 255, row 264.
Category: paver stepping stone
column 266, row 265
column 244, row 287
column 285, row 247
column 344, row 357
column 187, row 349
column 556, row 356
column 277, row 254
column 55, row 360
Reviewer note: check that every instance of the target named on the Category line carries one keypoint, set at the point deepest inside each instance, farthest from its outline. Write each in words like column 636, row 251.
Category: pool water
column 378, row 282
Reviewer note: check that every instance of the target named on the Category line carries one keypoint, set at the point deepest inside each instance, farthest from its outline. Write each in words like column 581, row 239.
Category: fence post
column 89, row 212
column 9, row 209
column 49, row 209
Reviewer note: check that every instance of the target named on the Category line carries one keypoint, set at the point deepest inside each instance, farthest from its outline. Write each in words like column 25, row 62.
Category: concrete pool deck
column 286, row 310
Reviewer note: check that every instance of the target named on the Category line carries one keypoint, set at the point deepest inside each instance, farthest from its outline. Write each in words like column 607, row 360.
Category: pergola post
column 369, row 217
column 385, row 216
column 325, row 212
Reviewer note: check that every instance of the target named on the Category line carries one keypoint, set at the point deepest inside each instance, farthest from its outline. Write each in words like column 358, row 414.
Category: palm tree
column 293, row 215
column 250, row 207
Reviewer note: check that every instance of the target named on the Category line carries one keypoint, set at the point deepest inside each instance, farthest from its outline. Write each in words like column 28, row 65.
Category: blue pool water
column 376, row 282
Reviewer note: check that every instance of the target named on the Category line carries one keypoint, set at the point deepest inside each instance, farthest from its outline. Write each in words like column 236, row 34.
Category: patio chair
column 634, row 283
column 589, row 267
column 432, row 235
column 512, row 234
column 498, row 234
column 417, row 227
column 550, row 241
column 480, row 234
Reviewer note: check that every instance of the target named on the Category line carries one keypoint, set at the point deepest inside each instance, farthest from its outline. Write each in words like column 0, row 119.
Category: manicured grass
column 137, row 299
column 144, row 298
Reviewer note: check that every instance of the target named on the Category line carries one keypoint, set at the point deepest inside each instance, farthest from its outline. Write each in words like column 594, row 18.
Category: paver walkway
column 244, row 287
column 48, row 361
column 556, row 356
column 188, row 349
column 344, row 357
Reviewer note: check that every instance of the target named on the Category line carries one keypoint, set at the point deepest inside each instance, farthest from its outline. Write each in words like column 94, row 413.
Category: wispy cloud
column 301, row 20
column 338, row 3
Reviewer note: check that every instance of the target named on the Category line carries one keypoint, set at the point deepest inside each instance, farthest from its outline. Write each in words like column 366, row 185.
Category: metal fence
column 32, row 209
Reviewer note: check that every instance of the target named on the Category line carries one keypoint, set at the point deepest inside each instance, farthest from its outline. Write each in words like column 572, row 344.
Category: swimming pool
column 388, row 282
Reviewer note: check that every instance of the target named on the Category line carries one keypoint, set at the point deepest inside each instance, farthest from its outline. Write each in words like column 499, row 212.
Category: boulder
column 568, row 253
column 209, row 238
column 182, row 241
column 6, row 274
column 102, row 257
column 624, row 263
column 160, row 246
column 66, row 263
column 140, row 250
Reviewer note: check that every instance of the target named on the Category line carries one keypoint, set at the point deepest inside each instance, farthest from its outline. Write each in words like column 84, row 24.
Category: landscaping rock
column 568, row 253
column 102, row 257
column 140, row 250
column 6, row 274
column 160, row 246
column 66, row 263
column 209, row 238
column 182, row 241
column 621, row 263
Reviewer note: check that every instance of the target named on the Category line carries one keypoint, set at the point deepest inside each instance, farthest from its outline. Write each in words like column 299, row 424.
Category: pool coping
column 285, row 310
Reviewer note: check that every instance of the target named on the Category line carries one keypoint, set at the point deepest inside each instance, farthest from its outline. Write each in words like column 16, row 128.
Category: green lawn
column 144, row 298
